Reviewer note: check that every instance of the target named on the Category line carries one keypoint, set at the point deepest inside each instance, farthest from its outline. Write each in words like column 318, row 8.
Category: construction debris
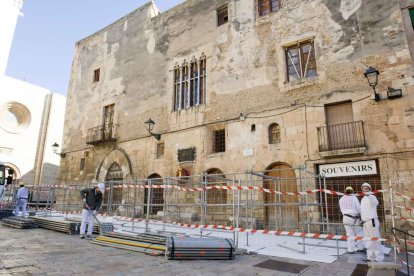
column 185, row 248
column 20, row 222
column 69, row 226
column 5, row 213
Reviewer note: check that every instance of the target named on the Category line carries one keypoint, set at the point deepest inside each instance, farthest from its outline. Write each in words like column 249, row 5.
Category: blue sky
column 45, row 37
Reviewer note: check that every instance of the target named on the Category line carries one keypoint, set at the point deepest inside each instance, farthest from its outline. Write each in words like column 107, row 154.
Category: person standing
column 22, row 197
column 92, row 201
column 351, row 211
column 371, row 224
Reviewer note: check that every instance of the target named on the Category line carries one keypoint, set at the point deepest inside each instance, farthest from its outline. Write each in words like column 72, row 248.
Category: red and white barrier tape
column 405, row 263
column 405, row 208
column 404, row 196
column 405, row 219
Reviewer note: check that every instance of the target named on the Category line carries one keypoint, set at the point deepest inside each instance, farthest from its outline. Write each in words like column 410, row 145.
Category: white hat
column 366, row 185
column 101, row 187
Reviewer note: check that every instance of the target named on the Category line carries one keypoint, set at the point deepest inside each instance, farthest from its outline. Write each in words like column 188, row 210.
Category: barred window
column 274, row 134
column 190, row 84
column 268, row 6
column 301, row 61
column 219, row 140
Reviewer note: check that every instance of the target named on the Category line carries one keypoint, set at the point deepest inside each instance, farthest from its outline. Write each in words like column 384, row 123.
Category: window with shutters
column 300, row 60
column 267, row 6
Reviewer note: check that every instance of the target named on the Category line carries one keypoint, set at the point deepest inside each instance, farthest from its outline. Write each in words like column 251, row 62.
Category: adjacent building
column 223, row 86
column 31, row 117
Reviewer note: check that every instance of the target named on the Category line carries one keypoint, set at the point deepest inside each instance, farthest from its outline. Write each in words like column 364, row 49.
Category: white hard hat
column 101, row 187
column 366, row 185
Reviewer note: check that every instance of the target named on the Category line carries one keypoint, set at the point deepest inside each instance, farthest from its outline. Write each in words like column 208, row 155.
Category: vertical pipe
column 238, row 214
column 148, row 204
column 337, row 249
column 165, row 195
column 393, row 219
column 306, row 200
column 326, row 204
column 233, row 205
column 406, row 254
column 134, row 203
column 321, row 204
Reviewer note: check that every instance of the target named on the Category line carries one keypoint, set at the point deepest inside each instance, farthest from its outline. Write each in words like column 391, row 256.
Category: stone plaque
column 186, row 155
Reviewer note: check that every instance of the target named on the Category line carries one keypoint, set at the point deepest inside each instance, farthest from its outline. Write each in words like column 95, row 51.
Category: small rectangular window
column 411, row 11
column 301, row 61
column 96, row 75
column 268, row 6
column 222, row 16
column 219, row 140
column 160, row 150
column 82, row 164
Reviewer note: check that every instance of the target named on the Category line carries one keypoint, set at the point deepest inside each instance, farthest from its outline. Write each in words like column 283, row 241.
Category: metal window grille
column 194, row 94
column 219, row 140
column 177, row 82
column 301, row 61
column 202, row 79
column 274, row 134
column 184, row 86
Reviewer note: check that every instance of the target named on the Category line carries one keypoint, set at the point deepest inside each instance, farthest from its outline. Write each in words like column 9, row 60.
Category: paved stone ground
column 45, row 252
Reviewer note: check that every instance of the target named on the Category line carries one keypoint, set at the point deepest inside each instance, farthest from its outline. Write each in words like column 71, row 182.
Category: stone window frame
column 409, row 28
column 82, row 164
column 222, row 14
column 96, row 75
column 274, row 133
column 271, row 8
column 304, row 60
column 190, row 83
column 160, row 150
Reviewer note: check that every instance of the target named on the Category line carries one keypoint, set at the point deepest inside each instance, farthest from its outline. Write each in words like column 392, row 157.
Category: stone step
column 384, row 266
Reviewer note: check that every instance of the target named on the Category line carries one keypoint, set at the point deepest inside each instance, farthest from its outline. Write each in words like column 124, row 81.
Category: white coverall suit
column 351, row 210
column 21, row 202
column 371, row 225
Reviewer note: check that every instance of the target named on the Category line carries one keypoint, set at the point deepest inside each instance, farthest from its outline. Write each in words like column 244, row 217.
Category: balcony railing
column 101, row 134
column 341, row 136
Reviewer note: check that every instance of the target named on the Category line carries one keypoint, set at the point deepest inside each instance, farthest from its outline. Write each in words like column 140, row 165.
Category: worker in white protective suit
column 351, row 211
column 22, row 197
column 371, row 225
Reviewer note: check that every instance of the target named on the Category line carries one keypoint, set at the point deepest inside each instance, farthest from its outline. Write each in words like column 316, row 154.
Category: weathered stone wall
column 246, row 73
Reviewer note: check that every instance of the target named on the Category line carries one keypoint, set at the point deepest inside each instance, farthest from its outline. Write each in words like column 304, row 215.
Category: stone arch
column 16, row 171
column 218, row 214
column 284, row 214
column 157, row 195
column 116, row 155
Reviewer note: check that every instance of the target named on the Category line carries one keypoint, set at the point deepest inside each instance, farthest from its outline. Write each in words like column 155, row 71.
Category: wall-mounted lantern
column 55, row 147
column 151, row 124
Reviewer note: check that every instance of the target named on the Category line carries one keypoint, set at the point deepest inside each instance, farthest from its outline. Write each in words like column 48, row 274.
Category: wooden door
column 340, row 127
column 285, row 215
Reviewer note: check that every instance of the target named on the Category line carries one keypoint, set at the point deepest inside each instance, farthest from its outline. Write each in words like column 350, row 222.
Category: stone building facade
column 246, row 85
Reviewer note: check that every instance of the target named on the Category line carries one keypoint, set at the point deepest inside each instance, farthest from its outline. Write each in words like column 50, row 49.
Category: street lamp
column 151, row 124
column 372, row 76
column 55, row 147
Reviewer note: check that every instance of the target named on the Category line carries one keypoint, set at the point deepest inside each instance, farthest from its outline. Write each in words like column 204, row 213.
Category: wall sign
column 349, row 169
column 185, row 155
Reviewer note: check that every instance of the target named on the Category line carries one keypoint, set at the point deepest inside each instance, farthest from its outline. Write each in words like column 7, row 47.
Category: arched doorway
column 216, row 199
column 156, row 195
column 114, row 177
column 281, row 211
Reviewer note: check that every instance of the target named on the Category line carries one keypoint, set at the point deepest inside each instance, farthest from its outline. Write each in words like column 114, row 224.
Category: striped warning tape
column 245, row 230
column 405, row 263
column 218, row 187
column 405, row 208
column 408, row 241
column 404, row 196
column 405, row 219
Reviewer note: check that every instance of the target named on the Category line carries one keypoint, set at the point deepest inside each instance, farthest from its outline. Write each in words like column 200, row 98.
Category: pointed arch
column 119, row 156
column 156, row 197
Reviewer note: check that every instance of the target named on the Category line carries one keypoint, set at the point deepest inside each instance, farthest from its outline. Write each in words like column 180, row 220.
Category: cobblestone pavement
column 45, row 252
